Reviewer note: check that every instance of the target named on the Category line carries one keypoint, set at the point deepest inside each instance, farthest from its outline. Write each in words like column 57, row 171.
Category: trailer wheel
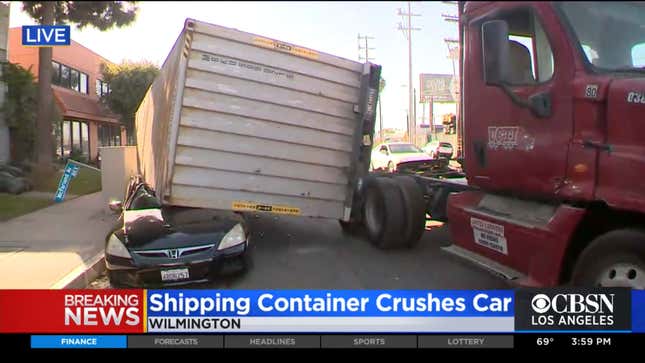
column 415, row 210
column 383, row 213
column 615, row 259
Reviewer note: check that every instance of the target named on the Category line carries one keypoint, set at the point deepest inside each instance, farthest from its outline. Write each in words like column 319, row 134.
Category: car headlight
column 234, row 237
column 116, row 248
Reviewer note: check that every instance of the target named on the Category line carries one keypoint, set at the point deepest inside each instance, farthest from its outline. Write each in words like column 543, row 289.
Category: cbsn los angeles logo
column 573, row 309
column 102, row 309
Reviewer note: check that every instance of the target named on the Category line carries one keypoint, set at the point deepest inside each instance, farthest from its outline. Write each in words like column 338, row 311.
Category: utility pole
column 366, row 48
column 367, row 59
column 407, row 32
column 453, row 54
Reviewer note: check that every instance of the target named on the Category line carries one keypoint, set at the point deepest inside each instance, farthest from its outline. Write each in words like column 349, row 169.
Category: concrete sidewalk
column 60, row 246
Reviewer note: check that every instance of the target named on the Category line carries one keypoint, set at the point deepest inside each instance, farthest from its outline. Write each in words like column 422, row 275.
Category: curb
column 81, row 276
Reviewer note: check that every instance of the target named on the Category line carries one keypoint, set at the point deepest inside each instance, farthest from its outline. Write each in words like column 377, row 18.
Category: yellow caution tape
column 286, row 48
column 278, row 209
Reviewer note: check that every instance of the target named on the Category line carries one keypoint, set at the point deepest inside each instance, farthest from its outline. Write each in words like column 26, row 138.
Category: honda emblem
column 174, row 253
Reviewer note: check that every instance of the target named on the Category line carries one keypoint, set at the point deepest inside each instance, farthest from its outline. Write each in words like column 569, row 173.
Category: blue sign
column 71, row 171
column 638, row 311
column 45, row 35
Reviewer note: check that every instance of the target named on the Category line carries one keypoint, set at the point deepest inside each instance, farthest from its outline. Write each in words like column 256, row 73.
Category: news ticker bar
column 538, row 342
column 136, row 311
column 271, row 341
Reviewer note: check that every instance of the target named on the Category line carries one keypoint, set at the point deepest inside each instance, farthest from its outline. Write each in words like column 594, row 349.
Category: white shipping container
column 237, row 121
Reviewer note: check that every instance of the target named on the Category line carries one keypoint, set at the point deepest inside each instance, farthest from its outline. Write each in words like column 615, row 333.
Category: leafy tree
column 100, row 14
column 19, row 108
column 128, row 82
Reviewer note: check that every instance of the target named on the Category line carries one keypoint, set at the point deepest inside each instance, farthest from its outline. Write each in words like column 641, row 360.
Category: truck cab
column 558, row 162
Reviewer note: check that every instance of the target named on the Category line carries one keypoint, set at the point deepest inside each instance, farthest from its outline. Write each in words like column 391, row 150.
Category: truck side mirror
column 496, row 53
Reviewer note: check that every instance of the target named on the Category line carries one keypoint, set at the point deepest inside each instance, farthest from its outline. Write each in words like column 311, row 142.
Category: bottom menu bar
column 271, row 341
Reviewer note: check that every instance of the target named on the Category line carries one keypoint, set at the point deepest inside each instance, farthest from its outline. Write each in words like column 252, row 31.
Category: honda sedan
column 155, row 245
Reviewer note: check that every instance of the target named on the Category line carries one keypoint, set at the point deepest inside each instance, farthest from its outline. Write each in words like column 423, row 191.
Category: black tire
column 415, row 209
column 115, row 280
column 614, row 259
column 351, row 228
column 383, row 214
column 390, row 167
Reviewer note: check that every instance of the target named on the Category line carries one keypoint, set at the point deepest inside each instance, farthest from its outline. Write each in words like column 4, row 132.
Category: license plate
column 174, row 275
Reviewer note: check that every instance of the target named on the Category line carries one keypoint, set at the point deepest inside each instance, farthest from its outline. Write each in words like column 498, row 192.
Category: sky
column 330, row 27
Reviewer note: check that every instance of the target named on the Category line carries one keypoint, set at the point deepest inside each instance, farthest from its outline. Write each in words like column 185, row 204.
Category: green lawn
column 16, row 205
column 87, row 181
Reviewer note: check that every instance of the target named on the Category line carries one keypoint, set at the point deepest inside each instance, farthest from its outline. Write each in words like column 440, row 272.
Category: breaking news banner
column 534, row 319
column 223, row 311
column 315, row 311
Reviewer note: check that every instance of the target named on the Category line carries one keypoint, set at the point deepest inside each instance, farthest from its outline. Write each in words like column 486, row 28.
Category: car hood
column 175, row 227
column 402, row 158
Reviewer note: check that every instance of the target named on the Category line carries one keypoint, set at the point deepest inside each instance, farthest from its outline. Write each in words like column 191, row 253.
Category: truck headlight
column 234, row 237
column 116, row 248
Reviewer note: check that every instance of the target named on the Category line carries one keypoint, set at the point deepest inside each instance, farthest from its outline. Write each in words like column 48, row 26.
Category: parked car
column 388, row 155
column 439, row 149
column 154, row 245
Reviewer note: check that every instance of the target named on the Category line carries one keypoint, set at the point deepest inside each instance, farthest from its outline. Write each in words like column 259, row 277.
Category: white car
column 388, row 155
column 438, row 149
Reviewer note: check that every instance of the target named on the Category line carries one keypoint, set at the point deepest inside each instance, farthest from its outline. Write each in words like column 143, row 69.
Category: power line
column 407, row 32
column 367, row 58
column 366, row 48
column 453, row 53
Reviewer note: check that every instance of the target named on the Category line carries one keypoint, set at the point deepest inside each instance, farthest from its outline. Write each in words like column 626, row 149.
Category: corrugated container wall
column 238, row 121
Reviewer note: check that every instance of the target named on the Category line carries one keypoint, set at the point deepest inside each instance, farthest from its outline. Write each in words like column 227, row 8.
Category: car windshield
column 404, row 148
column 611, row 34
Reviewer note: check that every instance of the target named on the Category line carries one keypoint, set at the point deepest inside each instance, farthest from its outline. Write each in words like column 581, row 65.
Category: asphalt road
column 299, row 253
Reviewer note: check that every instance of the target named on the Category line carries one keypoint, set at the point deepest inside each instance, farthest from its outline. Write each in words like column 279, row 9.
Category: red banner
column 72, row 311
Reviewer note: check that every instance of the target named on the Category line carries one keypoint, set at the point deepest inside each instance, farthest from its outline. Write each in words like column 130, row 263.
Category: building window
column 85, row 141
column 75, row 80
column 84, row 86
column 66, row 149
column 74, row 140
column 102, row 88
column 64, row 76
column 71, row 78
column 109, row 135
column 55, row 73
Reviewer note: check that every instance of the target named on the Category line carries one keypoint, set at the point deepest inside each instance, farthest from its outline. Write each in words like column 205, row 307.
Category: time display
column 590, row 341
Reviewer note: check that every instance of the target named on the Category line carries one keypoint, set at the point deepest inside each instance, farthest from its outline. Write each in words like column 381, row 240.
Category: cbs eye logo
column 541, row 303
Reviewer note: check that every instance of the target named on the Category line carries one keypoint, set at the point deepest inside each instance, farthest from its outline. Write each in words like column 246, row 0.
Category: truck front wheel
column 615, row 259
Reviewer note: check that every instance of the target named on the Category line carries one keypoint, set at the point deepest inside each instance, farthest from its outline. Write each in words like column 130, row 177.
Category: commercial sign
column 436, row 87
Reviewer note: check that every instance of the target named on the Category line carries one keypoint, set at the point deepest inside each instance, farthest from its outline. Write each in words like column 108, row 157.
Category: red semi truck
column 552, row 113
